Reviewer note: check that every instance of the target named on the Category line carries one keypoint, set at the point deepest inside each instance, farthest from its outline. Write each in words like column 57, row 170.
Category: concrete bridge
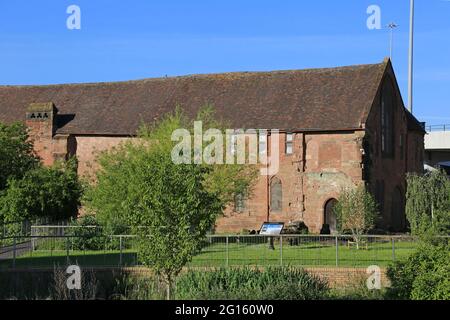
column 437, row 146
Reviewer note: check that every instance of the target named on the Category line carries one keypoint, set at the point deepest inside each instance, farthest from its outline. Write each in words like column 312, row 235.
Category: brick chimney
column 41, row 120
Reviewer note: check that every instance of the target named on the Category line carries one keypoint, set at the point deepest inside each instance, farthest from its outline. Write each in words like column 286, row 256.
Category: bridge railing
column 437, row 127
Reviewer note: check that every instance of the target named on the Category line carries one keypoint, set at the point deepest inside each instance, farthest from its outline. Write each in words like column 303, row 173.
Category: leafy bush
column 252, row 284
column 87, row 234
column 42, row 192
column 134, row 287
column 297, row 227
column 16, row 153
column 422, row 276
column 356, row 289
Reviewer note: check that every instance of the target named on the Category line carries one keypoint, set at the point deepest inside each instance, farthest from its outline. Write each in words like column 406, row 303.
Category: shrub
column 357, row 290
column 16, row 153
column 135, row 287
column 86, row 234
column 251, row 284
column 424, row 275
column 52, row 192
column 297, row 227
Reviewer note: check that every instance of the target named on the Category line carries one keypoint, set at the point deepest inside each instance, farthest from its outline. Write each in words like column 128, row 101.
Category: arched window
column 387, row 119
column 276, row 195
column 330, row 215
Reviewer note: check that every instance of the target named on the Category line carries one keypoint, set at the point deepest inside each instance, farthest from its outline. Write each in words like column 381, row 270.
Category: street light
column 391, row 26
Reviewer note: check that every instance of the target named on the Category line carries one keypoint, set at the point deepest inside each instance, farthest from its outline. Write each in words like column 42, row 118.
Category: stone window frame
column 289, row 143
column 262, row 142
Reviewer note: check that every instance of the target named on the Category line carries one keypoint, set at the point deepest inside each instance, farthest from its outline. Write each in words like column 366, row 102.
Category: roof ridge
column 200, row 75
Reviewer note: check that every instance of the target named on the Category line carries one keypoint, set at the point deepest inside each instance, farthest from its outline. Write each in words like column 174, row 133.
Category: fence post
column 226, row 262
column 32, row 239
column 281, row 250
column 14, row 252
column 120, row 247
column 67, row 249
column 393, row 249
column 337, row 250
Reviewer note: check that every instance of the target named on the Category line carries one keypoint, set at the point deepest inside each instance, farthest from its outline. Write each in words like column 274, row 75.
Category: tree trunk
column 168, row 287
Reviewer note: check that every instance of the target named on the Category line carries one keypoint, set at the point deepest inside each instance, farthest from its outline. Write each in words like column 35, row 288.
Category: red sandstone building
column 340, row 126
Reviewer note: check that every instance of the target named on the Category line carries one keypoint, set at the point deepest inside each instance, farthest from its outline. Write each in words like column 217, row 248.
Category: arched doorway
column 330, row 216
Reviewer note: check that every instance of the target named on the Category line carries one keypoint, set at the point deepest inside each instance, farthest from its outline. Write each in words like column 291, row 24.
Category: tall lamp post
column 391, row 26
column 411, row 57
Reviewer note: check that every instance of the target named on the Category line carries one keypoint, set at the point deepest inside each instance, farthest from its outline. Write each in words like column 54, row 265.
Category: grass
column 306, row 254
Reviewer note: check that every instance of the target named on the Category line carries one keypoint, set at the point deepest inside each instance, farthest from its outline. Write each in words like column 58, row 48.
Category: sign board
column 271, row 228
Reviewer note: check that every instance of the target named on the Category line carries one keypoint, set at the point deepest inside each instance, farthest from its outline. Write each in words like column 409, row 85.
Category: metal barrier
column 438, row 127
column 97, row 250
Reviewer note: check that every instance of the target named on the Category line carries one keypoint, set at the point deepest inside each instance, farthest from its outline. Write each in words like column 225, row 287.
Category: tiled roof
column 314, row 99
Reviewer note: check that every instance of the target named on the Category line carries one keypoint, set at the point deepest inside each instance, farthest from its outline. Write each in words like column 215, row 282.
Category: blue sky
column 123, row 40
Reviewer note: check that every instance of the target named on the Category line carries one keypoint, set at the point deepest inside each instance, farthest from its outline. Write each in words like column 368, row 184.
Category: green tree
column 52, row 192
column 16, row 153
column 428, row 203
column 356, row 211
column 170, row 206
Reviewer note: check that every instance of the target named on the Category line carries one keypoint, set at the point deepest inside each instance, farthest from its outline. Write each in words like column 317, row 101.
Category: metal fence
column 438, row 127
column 45, row 250
column 18, row 228
column 25, row 228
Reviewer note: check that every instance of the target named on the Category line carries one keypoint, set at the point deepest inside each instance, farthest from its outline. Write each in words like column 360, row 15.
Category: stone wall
column 320, row 166
column 88, row 149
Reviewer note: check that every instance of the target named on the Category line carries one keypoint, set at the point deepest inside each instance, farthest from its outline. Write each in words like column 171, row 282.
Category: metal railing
column 438, row 127
column 47, row 251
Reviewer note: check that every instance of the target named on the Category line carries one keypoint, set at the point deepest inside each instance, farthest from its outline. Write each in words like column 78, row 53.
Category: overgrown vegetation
column 29, row 190
column 276, row 283
column 356, row 289
column 16, row 153
column 42, row 192
column 244, row 283
column 425, row 274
